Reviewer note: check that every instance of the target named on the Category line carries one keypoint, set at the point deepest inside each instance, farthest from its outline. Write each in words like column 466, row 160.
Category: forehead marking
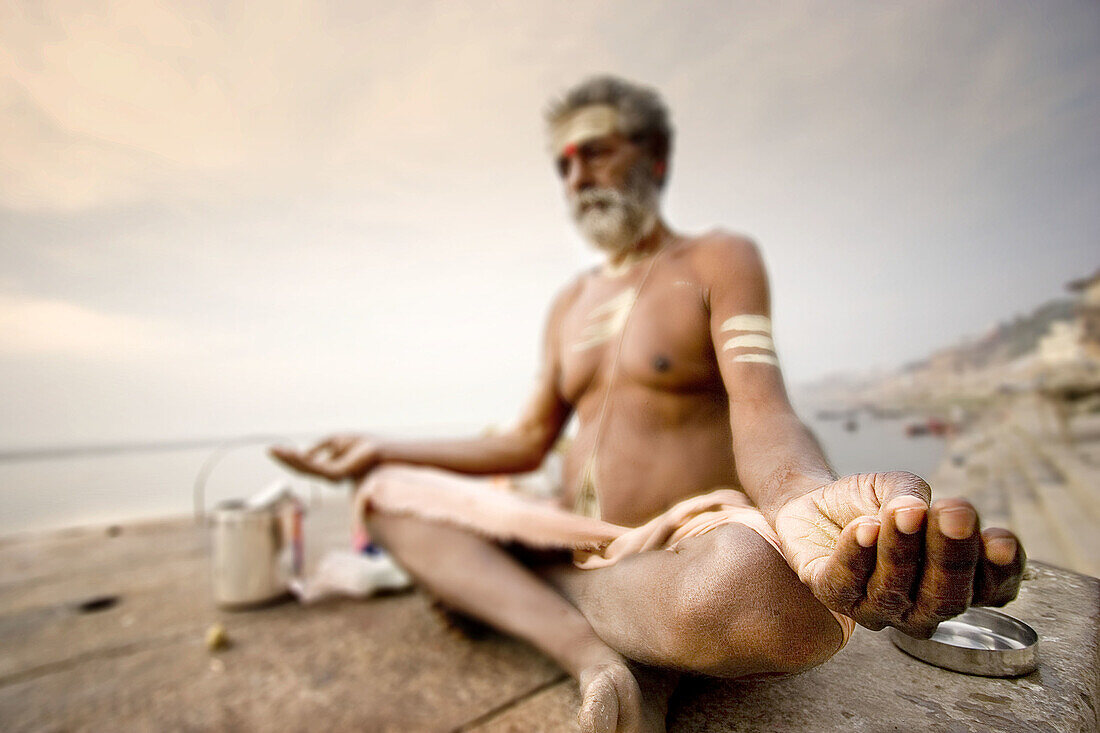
column 586, row 123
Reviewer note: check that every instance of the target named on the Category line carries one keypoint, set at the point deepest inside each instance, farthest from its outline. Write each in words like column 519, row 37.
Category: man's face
column 611, row 189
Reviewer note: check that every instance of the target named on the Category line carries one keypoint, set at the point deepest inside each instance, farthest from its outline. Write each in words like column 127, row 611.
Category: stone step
column 1082, row 479
column 1029, row 521
column 965, row 472
column 1073, row 527
column 990, row 497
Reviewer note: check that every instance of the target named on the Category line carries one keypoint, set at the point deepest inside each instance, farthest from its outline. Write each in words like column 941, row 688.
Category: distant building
column 1062, row 344
column 1088, row 312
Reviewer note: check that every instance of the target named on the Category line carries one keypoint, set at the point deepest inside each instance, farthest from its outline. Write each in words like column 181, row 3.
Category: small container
column 248, row 545
column 980, row 642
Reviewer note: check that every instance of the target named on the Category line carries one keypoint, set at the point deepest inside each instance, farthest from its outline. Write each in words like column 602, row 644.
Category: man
column 709, row 533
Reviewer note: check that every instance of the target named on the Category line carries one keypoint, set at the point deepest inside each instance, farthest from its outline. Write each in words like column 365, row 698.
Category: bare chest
column 656, row 336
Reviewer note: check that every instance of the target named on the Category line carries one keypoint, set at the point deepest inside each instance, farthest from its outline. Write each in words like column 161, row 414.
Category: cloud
column 152, row 100
column 43, row 327
column 298, row 204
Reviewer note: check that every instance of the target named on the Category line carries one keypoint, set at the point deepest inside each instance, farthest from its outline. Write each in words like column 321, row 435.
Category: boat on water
column 932, row 426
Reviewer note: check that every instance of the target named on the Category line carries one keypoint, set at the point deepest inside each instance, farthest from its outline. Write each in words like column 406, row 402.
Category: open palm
column 871, row 546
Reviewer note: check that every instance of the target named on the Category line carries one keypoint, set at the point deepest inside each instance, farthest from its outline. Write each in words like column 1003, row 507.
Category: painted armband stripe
column 757, row 359
column 748, row 322
column 750, row 341
column 760, row 337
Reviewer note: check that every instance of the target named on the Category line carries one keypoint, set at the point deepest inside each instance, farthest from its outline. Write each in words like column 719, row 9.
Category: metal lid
column 239, row 510
column 980, row 641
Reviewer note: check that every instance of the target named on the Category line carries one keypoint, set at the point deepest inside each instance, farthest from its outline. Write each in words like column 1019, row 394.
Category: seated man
column 708, row 532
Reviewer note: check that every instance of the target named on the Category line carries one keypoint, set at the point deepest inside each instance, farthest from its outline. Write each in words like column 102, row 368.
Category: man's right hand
column 870, row 546
column 335, row 458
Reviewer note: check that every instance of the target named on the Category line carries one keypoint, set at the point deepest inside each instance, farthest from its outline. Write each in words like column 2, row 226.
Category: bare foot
column 611, row 702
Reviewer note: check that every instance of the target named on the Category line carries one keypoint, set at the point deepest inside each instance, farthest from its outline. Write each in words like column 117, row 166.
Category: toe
column 610, row 700
column 599, row 711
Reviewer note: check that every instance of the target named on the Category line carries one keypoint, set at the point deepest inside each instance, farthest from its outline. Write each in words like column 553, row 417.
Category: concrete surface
column 389, row 664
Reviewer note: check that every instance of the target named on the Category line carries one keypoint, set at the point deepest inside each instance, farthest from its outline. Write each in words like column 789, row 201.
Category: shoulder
column 720, row 247
column 719, row 255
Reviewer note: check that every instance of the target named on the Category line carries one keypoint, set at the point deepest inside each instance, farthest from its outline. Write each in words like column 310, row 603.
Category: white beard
column 613, row 220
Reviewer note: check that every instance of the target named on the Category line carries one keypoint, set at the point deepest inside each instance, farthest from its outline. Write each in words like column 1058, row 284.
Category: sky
column 225, row 218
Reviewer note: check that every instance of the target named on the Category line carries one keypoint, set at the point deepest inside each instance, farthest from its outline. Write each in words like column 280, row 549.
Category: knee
column 390, row 479
column 785, row 641
column 381, row 479
column 747, row 613
column 397, row 532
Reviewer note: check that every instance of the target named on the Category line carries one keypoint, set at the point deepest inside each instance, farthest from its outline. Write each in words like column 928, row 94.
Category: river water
column 877, row 445
column 117, row 486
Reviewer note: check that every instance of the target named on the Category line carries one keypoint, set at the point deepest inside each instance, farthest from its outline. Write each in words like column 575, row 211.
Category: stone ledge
column 389, row 665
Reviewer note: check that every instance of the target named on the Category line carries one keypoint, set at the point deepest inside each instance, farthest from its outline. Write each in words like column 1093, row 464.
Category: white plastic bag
column 347, row 573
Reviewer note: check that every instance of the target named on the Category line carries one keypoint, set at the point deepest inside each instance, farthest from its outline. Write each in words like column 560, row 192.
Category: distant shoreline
column 156, row 446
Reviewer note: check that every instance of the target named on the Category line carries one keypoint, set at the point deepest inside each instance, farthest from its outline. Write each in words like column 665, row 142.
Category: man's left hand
column 335, row 458
column 870, row 546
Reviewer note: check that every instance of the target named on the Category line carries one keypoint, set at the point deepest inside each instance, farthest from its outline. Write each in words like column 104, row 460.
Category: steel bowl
column 980, row 641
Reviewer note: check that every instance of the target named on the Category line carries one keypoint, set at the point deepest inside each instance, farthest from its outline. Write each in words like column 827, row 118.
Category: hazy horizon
column 326, row 216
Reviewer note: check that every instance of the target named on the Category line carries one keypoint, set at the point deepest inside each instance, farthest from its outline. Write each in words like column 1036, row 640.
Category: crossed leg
column 724, row 603
column 478, row 577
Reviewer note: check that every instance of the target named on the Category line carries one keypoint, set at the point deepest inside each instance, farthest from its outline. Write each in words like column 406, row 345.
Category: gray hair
column 644, row 116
